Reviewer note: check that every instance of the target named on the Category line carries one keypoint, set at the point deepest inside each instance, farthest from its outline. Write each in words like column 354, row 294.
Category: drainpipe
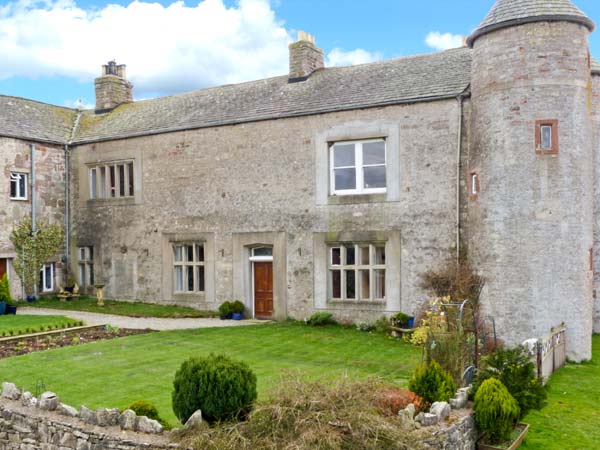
column 67, row 204
column 458, row 155
column 33, row 225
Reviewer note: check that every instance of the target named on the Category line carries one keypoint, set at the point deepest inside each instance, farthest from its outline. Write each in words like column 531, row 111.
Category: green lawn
column 117, row 372
column 22, row 324
column 130, row 309
column 571, row 421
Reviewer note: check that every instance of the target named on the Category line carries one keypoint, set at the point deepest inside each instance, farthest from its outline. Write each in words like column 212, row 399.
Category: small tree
column 5, row 290
column 34, row 249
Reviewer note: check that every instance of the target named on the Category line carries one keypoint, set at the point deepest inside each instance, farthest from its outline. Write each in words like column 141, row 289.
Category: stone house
column 336, row 188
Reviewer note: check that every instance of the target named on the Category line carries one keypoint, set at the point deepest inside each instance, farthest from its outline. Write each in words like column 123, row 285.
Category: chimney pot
column 305, row 58
column 112, row 89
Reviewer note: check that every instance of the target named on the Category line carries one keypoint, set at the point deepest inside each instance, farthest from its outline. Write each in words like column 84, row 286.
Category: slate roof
column 411, row 79
column 506, row 13
column 31, row 120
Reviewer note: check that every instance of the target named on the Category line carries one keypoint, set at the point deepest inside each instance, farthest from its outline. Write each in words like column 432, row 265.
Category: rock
column 441, row 410
column 107, row 417
column 48, row 401
column 460, row 400
column 194, row 421
column 27, row 399
column 145, row 425
column 408, row 413
column 9, row 390
column 127, row 420
column 427, row 419
column 66, row 410
column 88, row 416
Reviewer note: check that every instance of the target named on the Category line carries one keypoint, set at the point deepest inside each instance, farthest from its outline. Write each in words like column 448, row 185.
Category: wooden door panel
column 3, row 267
column 263, row 289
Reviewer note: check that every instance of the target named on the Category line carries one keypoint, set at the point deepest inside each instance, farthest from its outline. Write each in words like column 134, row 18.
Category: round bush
column 221, row 388
column 432, row 383
column 496, row 411
column 143, row 408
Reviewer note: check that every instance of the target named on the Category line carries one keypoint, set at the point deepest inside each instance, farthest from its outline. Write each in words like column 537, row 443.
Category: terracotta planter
column 515, row 444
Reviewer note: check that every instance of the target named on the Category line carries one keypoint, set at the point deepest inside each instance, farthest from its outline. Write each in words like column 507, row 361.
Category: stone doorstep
column 49, row 333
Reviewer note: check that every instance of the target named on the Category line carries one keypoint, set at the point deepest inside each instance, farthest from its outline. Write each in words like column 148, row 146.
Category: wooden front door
column 3, row 267
column 263, row 290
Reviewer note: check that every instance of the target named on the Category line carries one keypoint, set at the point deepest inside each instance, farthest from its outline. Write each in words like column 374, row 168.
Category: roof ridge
column 38, row 102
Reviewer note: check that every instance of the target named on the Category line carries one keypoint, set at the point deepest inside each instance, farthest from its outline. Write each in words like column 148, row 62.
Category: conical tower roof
column 506, row 13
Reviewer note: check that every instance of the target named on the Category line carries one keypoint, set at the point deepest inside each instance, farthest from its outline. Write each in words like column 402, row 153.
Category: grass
column 571, row 420
column 118, row 308
column 22, row 324
column 115, row 373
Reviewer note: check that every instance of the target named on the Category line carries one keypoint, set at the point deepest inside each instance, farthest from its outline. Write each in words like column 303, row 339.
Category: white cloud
column 167, row 49
column 339, row 57
column 444, row 41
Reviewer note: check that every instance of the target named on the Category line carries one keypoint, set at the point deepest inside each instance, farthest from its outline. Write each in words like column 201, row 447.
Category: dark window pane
column 343, row 155
column 350, row 284
column 189, row 249
column 91, row 273
column 13, row 187
column 201, row 278
column 22, row 187
column 190, row 278
column 121, row 180
column 374, row 153
column 336, row 256
column 374, row 177
column 345, row 179
column 350, row 255
column 263, row 251
column 91, row 253
column 130, row 168
column 113, row 187
column 336, row 283
column 200, row 253
column 380, row 255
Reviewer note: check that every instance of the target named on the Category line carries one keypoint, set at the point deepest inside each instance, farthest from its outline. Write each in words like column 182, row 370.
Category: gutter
column 68, row 149
column 33, row 206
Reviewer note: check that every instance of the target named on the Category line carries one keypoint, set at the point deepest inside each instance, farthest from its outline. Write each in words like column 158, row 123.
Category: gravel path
column 138, row 323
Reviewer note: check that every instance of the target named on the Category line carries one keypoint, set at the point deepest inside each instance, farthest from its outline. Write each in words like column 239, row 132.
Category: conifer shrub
column 226, row 309
column 5, row 290
column 223, row 389
column 496, row 411
column 432, row 383
column 237, row 307
column 143, row 408
column 517, row 373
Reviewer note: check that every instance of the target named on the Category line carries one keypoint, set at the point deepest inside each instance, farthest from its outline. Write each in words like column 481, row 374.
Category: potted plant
column 497, row 415
column 225, row 311
column 237, row 310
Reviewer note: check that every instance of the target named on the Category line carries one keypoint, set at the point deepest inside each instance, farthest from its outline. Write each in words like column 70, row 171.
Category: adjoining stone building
column 336, row 188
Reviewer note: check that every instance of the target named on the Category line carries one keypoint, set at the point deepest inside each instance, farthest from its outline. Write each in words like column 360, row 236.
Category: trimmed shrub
column 320, row 319
column 143, row 408
column 237, row 307
column 225, row 310
column 5, row 290
column 517, row 373
column 432, row 383
column 496, row 411
column 222, row 388
column 402, row 318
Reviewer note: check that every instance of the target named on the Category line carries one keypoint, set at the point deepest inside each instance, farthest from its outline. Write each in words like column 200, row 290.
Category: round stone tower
column 530, row 174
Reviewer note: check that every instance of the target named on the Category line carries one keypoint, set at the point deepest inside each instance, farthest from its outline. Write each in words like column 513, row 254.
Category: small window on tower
column 546, row 137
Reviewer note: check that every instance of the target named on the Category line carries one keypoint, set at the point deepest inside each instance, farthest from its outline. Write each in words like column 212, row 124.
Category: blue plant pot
column 237, row 316
column 31, row 299
column 11, row 309
column 411, row 322
column 2, row 308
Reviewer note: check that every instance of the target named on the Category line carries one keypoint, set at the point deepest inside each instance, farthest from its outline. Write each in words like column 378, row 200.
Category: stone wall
column 259, row 181
column 595, row 110
column 50, row 193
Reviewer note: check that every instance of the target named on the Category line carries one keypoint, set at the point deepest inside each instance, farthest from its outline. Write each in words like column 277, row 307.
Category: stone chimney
column 112, row 89
column 305, row 58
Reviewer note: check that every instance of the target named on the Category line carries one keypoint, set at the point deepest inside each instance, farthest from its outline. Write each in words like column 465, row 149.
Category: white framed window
column 47, row 278
column 356, row 272
column 112, row 180
column 18, row 185
column 86, row 266
column 358, row 167
column 188, row 268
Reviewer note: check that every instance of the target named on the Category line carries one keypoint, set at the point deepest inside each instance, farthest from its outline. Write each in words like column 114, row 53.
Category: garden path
column 138, row 323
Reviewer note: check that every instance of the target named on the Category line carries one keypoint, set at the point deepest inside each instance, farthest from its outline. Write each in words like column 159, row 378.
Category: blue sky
column 52, row 50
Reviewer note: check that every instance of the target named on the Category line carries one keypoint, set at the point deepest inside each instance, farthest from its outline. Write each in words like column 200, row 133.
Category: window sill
column 19, row 199
column 357, row 198
column 189, row 295
column 356, row 302
column 111, row 201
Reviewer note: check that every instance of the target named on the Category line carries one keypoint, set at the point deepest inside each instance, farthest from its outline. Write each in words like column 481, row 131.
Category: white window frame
column 184, row 264
column 359, row 166
column 43, row 278
column 357, row 267
column 100, row 185
column 14, row 178
column 86, row 265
